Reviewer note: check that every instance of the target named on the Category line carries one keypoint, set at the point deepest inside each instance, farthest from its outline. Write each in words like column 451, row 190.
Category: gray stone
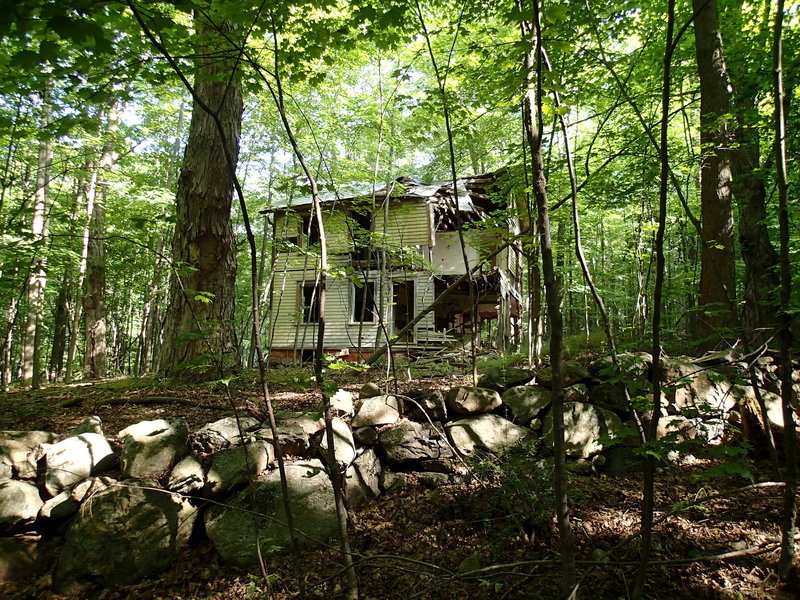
column 237, row 534
column 377, row 410
column 432, row 480
column 366, row 436
column 20, row 451
column 369, row 390
column 526, row 402
column 630, row 365
column 87, row 488
column 76, row 458
column 408, row 443
column 122, row 535
column 574, row 372
column 577, row 392
column 391, row 482
column 342, row 404
column 187, row 477
column 584, row 426
column 151, row 448
column 221, row 434
column 427, row 406
column 484, row 432
column 18, row 460
column 501, row 379
column 472, row 400
column 293, row 438
column 610, row 396
column 234, row 466
column 60, row 506
column 361, row 480
column 91, row 424
column 19, row 504
column 343, row 442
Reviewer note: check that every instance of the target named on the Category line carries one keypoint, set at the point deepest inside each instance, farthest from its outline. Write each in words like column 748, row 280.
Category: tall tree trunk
column 532, row 109
column 717, row 260
column 95, row 358
column 37, row 280
column 786, row 562
column 89, row 193
column 760, row 259
column 200, row 319
column 651, row 434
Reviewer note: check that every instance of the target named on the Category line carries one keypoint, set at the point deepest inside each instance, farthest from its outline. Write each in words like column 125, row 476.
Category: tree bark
column 37, row 280
column 717, row 259
column 199, row 332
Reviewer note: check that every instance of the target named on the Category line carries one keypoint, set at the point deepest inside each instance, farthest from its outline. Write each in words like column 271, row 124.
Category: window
column 361, row 228
column 364, row 303
column 309, row 229
column 309, row 303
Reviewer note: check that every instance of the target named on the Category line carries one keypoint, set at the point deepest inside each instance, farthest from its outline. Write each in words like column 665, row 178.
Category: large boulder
column 151, row 448
column 411, row 444
column 377, row 410
column 696, row 391
column 344, row 446
column 91, row 424
column 500, row 379
column 585, row 426
column 484, row 432
column 256, row 516
column 122, row 535
column 526, row 402
column 472, row 400
column 361, row 480
column 234, row 466
column 221, row 434
column 574, row 372
column 76, row 458
column 294, row 432
column 19, row 504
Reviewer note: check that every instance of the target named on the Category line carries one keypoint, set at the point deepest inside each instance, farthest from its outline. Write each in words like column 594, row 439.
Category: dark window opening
column 364, row 303
column 362, row 226
column 310, row 229
column 310, row 303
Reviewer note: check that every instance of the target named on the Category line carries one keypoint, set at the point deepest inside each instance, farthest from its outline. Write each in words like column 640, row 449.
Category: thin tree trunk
column 648, row 500
column 31, row 359
column 532, row 108
column 786, row 562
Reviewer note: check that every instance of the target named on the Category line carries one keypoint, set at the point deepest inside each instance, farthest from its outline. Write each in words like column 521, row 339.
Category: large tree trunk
column 758, row 253
column 717, row 260
column 199, row 333
column 37, row 280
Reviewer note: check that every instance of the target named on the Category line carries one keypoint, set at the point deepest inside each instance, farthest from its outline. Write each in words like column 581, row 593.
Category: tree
column 717, row 261
column 201, row 308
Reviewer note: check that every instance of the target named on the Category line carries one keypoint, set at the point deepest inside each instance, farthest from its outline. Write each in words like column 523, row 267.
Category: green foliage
column 520, row 495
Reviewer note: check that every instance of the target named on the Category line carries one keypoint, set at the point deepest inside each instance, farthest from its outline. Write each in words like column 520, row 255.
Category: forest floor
column 433, row 543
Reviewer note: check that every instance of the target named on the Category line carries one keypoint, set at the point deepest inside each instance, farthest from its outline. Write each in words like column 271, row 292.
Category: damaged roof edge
column 468, row 189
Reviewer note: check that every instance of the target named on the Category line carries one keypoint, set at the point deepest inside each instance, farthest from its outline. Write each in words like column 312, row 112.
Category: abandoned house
column 391, row 253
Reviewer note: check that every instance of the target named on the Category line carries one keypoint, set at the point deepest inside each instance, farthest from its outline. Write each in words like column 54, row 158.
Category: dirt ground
column 491, row 536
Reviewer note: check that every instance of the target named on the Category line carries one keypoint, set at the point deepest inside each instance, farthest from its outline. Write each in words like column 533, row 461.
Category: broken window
column 309, row 303
column 309, row 228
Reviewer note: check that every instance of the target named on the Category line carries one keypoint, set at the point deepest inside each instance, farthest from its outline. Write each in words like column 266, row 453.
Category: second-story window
column 361, row 228
column 309, row 229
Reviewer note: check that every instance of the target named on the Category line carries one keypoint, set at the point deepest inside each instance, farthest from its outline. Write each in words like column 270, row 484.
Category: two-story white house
column 391, row 253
